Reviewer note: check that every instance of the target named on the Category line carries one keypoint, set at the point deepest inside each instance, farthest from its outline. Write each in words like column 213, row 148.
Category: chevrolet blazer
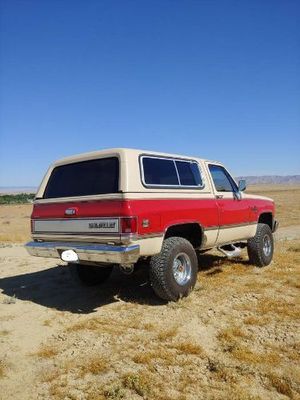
column 121, row 206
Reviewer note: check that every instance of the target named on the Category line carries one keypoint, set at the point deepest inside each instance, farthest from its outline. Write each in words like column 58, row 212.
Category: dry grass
column 291, row 352
column 15, row 222
column 245, row 354
column 256, row 321
column 47, row 351
column 279, row 308
column 96, row 364
column 282, row 384
column 50, row 374
column 167, row 333
column 138, row 382
column 59, row 389
column 2, row 368
column 109, row 326
column 220, row 371
column 160, row 356
column 189, row 348
column 233, row 332
column 128, row 386
column 287, row 200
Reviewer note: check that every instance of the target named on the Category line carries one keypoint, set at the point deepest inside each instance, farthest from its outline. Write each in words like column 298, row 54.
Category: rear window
column 169, row 172
column 84, row 178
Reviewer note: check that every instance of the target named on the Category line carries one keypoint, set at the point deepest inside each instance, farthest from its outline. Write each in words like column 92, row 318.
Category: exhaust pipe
column 127, row 269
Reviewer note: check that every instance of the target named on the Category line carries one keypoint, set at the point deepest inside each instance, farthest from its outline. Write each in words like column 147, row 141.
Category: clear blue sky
column 219, row 79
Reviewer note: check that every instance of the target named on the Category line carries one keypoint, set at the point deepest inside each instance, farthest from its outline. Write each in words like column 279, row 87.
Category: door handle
column 219, row 196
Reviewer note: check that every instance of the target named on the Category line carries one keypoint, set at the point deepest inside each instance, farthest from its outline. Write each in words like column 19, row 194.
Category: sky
column 217, row 79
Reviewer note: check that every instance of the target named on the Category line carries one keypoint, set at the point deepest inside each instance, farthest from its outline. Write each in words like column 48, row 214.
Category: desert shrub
column 21, row 198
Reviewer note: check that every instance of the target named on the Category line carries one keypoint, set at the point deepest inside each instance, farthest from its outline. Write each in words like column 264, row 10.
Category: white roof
column 124, row 151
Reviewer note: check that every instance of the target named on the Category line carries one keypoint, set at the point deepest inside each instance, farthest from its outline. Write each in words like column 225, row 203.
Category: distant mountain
column 17, row 189
column 272, row 180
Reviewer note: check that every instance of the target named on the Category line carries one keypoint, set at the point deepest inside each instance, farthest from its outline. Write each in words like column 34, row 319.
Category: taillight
column 128, row 225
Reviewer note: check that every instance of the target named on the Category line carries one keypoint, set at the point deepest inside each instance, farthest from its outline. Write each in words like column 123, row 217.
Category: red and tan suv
column 119, row 206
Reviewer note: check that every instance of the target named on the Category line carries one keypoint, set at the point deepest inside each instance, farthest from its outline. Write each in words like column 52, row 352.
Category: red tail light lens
column 129, row 225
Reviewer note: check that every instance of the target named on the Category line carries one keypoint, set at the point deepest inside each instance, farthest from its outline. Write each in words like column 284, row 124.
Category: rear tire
column 90, row 275
column 173, row 272
column 261, row 246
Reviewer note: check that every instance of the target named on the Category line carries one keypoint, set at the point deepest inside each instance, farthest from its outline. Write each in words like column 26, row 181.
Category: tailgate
column 87, row 218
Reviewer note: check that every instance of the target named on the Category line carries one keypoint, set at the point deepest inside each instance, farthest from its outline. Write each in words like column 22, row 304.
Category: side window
column 189, row 174
column 158, row 171
column 222, row 180
column 171, row 172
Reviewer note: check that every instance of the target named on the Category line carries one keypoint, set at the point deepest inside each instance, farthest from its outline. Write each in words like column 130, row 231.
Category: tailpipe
column 127, row 269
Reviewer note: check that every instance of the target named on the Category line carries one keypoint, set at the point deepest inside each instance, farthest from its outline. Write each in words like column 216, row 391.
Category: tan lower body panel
column 212, row 238
column 149, row 246
column 236, row 233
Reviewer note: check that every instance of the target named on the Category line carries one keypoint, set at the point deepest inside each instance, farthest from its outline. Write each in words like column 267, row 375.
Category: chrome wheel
column 261, row 246
column 182, row 269
column 267, row 245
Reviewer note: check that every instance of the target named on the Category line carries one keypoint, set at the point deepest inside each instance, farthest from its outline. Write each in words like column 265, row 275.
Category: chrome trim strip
column 86, row 233
column 149, row 235
column 211, row 228
column 228, row 226
column 123, row 239
column 237, row 225
column 83, row 246
column 73, row 219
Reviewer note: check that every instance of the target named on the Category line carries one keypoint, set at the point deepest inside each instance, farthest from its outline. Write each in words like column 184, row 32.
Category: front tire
column 90, row 275
column 261, row 246
column 173, row 272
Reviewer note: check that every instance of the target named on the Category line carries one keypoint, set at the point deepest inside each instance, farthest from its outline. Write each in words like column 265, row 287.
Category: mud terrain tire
column 261, row 246
column 173, row 272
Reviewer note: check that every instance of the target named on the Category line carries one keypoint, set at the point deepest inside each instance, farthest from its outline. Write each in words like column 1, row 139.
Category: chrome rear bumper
column 87, row 252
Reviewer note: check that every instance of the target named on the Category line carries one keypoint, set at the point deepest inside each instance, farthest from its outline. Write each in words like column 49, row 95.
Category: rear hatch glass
column 84, row 178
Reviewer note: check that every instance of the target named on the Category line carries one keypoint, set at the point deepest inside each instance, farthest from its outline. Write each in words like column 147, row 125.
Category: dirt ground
column 235, row 337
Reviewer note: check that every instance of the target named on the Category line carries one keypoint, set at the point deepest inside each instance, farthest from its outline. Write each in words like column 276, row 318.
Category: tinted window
column 221, row 178
column 84, row 178
column 188, row 173
column 158, row 171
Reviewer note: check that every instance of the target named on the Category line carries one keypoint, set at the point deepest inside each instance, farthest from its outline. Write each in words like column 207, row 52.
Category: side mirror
column 242, row 185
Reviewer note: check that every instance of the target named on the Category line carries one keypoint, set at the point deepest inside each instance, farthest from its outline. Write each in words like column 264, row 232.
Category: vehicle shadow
column 55, row 288
column 208, row 261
